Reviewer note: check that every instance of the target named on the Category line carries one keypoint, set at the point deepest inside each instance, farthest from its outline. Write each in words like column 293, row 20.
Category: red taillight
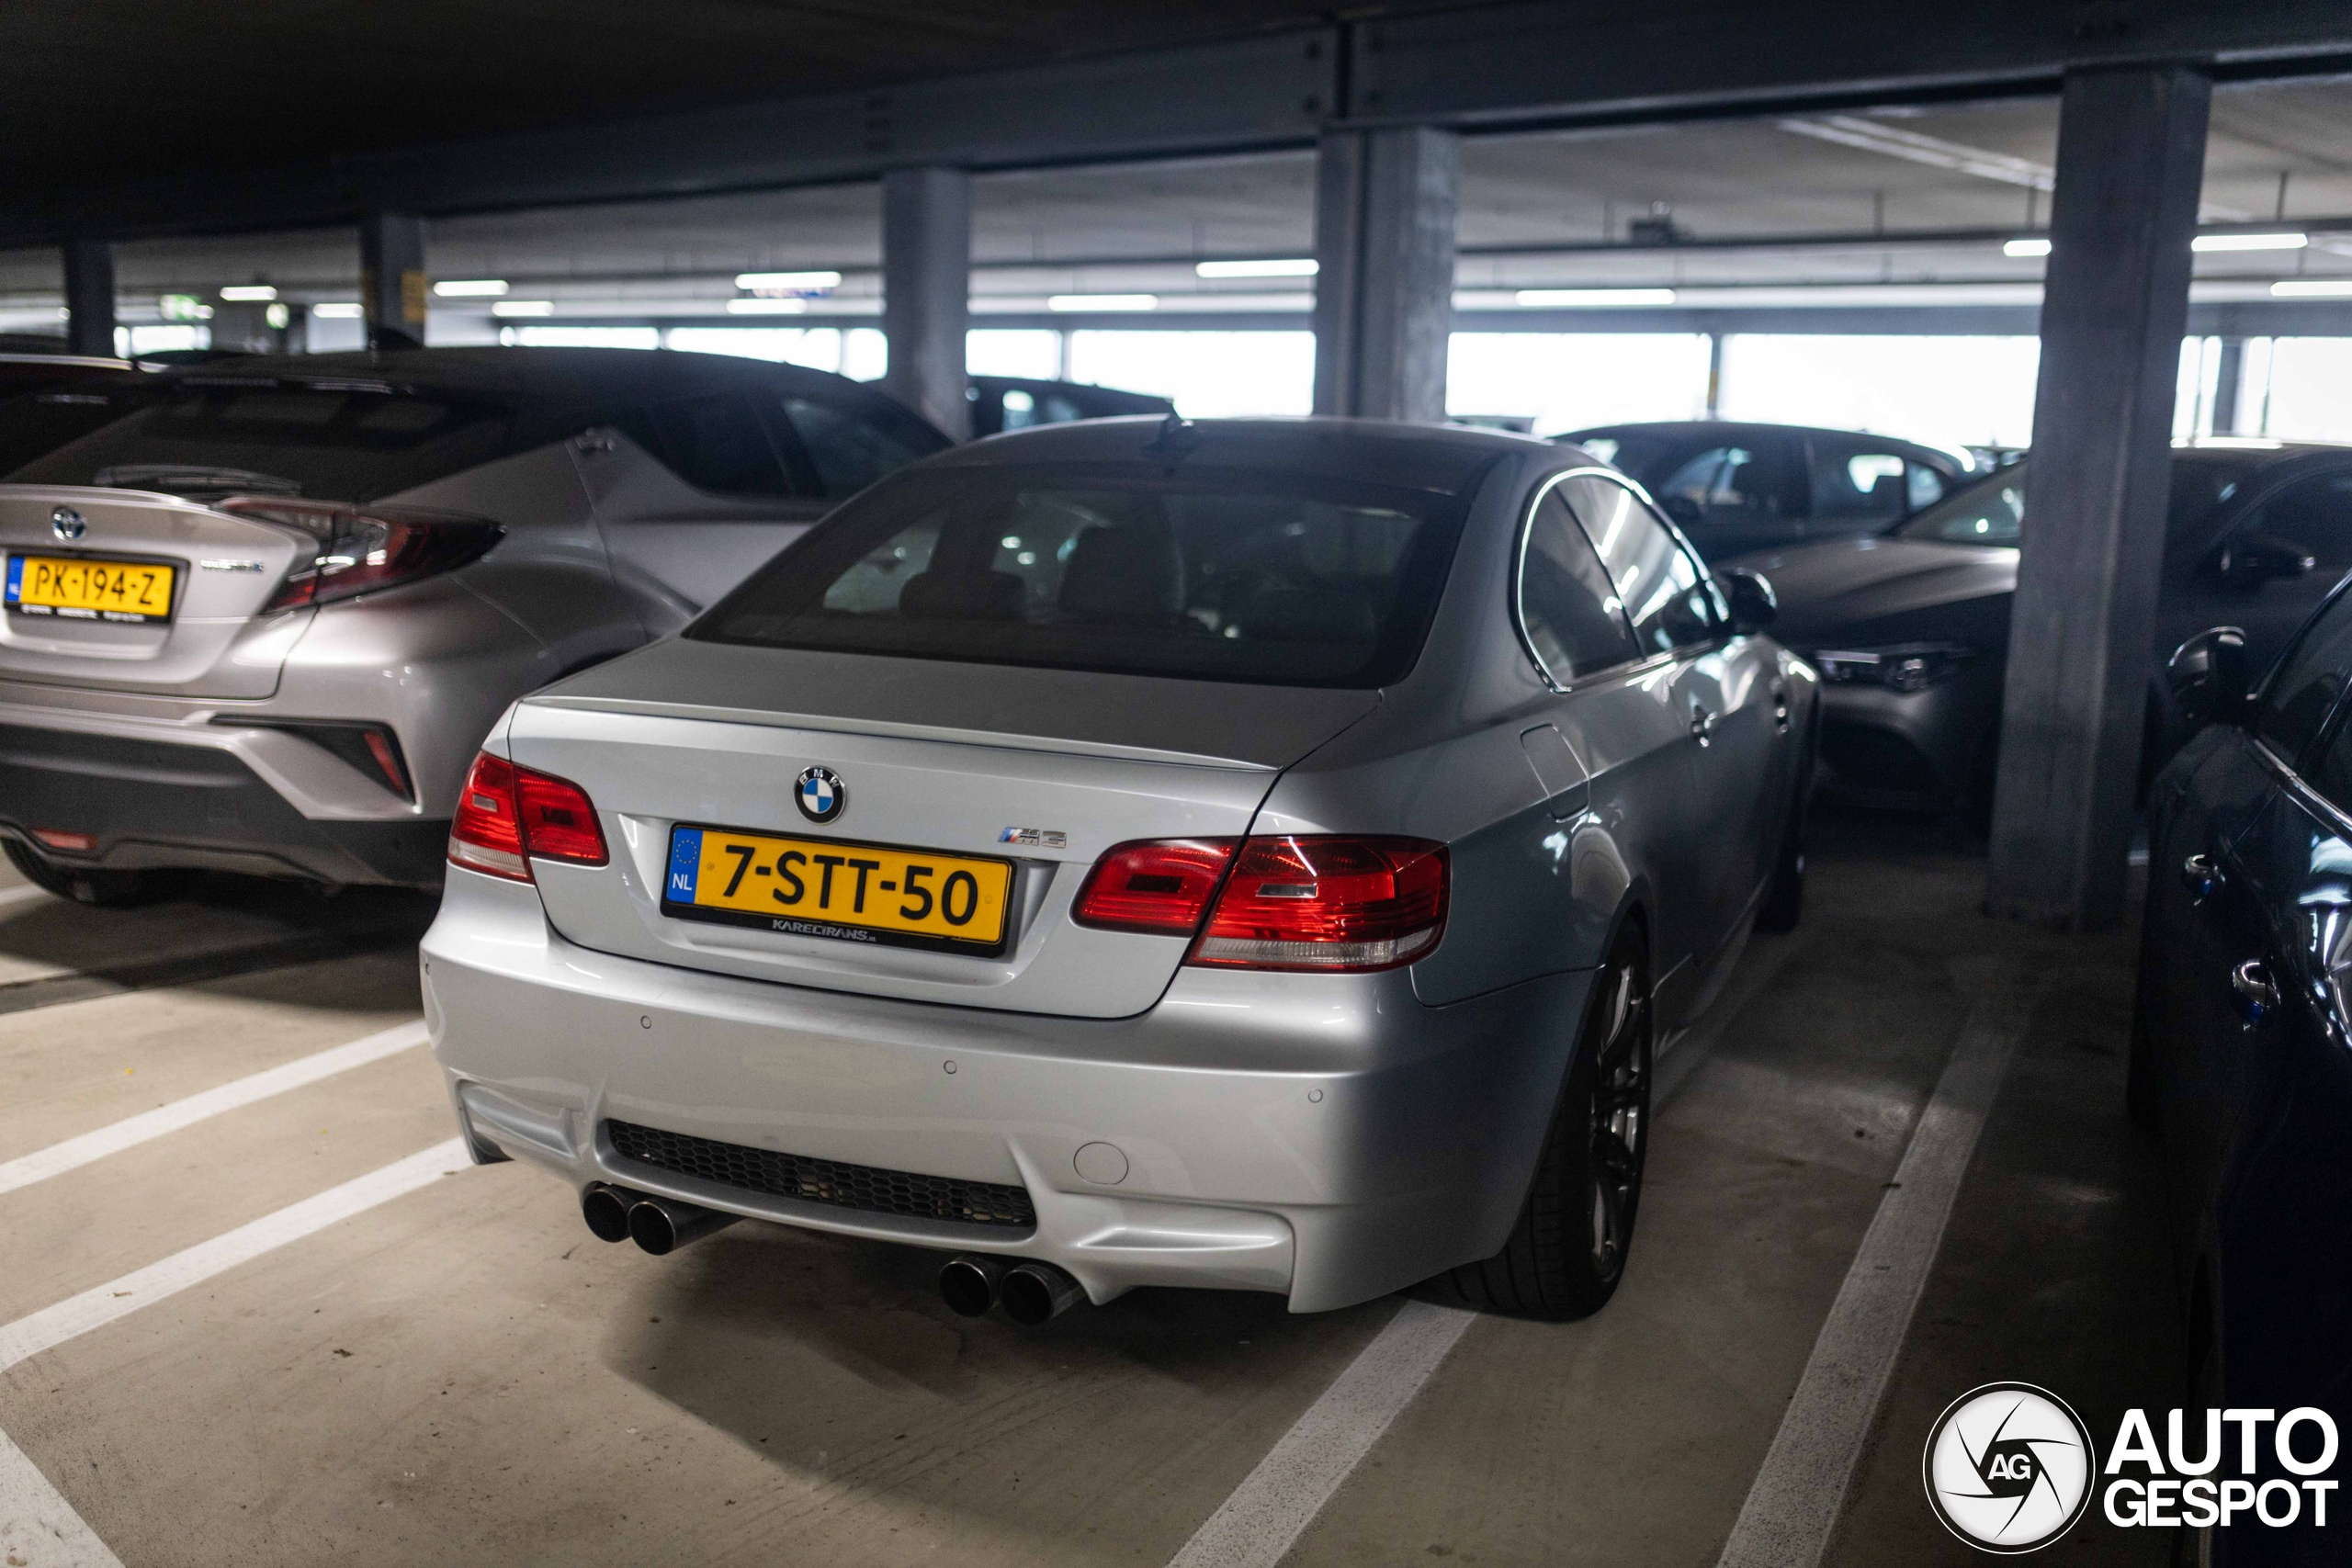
column 362, row 549
column 1162, row 886
column 506, row 814
column 1328, row 903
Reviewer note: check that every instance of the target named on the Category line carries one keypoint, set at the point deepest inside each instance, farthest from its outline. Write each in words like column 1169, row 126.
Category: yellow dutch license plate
column 875, row 893
column 78, row 588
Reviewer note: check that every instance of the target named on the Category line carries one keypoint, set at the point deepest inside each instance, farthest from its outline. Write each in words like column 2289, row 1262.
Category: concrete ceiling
column 2281, row 149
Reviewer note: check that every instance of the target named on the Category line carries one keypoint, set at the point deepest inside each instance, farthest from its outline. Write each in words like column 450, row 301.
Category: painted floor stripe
column 37, row 1523
column 24, row 895
column 116, row 1136
column 1277, row 1501
column 1792, row 1506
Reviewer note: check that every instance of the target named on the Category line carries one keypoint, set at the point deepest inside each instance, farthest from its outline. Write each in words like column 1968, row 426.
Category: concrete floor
column 463, row 1375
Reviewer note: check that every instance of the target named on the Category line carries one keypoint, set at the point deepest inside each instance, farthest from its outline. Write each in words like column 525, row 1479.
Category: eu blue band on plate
column 15, row 579
column 685, row 862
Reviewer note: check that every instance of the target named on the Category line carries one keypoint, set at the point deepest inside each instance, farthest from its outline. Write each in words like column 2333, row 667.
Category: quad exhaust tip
column 1031, row 1293
column 659, row 1225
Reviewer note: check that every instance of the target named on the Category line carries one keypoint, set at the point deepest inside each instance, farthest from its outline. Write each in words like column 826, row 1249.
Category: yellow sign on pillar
column 412, row 296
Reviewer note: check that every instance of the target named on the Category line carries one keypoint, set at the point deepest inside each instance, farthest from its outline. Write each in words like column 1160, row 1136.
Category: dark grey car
column 1910, row 627
column 1734, row 487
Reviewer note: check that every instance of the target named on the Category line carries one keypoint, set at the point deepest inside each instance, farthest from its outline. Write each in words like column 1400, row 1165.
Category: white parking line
column 116, row 1136
column 24, row 895
column 1793, row 1504
column 37, row 1524
column 1277, row 1501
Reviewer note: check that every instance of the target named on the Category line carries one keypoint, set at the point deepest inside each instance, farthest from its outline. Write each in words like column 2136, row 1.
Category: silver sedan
column 262, row 624
column 1262, row 855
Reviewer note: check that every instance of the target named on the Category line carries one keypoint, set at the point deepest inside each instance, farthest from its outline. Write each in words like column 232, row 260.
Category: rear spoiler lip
column 890, row 729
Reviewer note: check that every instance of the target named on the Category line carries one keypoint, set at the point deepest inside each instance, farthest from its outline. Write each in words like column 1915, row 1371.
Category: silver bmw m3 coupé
column 1255, row 854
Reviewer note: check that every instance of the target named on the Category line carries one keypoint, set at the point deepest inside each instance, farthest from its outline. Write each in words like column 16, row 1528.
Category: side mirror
column 1682, row 509
column 1754, row 605
column 2208, row 677
column 2249, row 560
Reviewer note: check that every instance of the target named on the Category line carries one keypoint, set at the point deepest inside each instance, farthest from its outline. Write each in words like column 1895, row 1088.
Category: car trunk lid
column 214, row 638
column 1045, row 769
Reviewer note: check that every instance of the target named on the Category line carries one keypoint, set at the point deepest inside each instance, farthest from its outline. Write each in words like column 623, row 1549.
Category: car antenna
column 1177, row 440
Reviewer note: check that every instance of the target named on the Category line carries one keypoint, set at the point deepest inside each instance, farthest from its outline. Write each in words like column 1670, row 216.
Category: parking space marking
column 33, row 1511
column 1793, row 1505
column 58, row 1158
column 1277, row 1501
column 24, row 895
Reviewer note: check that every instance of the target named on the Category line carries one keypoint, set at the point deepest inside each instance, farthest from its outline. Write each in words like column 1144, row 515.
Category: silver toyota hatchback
column 1261, row 855
column 262, row 624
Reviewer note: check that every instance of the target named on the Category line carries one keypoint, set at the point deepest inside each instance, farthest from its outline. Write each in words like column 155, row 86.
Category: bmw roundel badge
column 821, row 794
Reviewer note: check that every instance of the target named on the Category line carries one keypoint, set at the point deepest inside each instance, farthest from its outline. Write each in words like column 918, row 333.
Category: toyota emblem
column 67, row 524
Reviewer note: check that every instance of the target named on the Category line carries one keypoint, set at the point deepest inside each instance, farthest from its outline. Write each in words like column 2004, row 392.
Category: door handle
column 2253, row 995
column 1702, row 723
column 2201, row 875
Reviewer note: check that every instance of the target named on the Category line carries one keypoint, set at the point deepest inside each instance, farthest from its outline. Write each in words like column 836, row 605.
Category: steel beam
column 392, row 289
column 2130, row 160
column 1493, row 68
column 1384, row 207
column 89, row 296
column 926, row 291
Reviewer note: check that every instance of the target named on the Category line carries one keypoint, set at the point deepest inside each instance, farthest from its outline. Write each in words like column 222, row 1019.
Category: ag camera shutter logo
column 2009, row 1468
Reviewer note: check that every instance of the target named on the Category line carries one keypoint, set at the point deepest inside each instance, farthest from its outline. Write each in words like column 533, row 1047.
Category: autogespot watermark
column 2009, row 1468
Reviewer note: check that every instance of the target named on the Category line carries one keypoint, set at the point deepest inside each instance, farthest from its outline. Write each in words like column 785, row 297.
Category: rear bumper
column 1326, row 1137
column 194, row 801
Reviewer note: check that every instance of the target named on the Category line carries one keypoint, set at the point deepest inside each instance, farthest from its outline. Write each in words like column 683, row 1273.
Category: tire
column 1784, row 904
column 104, row 890
column 1567, row 1250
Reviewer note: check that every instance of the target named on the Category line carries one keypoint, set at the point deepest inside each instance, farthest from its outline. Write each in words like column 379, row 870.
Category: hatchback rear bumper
column 191, row 801
column 1326, row 1137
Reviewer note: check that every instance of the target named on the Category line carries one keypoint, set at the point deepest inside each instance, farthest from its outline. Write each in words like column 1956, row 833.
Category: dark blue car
column 2242, row 1053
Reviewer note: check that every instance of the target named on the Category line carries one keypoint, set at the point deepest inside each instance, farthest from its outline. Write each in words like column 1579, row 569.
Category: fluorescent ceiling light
column 2312, row 288
column 1103, row 302
column 338, row 310
column 764, row 280
column 524, row 308
column 470, row 288
column 767, row 307
column 242, row 292
column 1297, row 267
column 2248, row 242
column 1540, row 297
column 2025, row 247
column 1893, row 141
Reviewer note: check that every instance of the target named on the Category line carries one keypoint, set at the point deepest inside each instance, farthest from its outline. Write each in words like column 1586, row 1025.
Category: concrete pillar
column 2115, row 304
column 89, row 297
column 2229, row 380
column 1715, row 375
column 1384, row 204
column 927, row 291
column 392, row 289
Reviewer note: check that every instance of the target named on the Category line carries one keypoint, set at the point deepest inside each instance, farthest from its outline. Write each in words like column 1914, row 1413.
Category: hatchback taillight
column 1296, row 902
column 361, row 549
column 507, row 814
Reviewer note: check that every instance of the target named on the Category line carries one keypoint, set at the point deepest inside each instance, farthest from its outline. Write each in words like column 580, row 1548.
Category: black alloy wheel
column 1567, row 1251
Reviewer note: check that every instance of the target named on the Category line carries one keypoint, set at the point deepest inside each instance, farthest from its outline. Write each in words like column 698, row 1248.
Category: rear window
column 1992, row 509
column 1200, row 574
column 333, row 442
